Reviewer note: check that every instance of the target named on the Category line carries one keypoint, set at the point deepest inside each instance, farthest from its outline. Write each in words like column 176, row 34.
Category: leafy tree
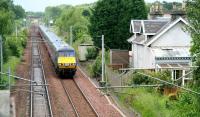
column 6, row 5
column 193, row 11
column 168, row 6
column 73, row 16
column 86, row 13
column 19, row 12
column 112, row 18
column 51, row 13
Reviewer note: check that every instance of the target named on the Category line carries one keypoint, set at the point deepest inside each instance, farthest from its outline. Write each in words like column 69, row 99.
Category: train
column 62, row 54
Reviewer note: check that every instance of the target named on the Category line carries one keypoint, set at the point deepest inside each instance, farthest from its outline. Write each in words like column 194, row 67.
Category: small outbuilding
column 82, row 48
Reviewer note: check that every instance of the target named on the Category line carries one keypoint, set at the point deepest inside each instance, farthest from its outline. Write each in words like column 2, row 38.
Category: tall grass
column 147, row 102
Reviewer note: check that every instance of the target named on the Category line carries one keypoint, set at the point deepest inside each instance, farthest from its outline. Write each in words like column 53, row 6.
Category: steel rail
column 45, row 82
column 86, row 98
column 70, row 99
column 31, row 87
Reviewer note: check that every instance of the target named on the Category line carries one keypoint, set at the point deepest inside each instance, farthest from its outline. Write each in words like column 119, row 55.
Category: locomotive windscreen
column 67, row 53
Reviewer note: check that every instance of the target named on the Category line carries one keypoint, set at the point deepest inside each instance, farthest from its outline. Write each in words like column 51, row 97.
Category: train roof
column 57, row 42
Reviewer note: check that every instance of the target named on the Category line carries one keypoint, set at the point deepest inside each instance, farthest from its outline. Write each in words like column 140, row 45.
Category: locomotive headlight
column 66, row 64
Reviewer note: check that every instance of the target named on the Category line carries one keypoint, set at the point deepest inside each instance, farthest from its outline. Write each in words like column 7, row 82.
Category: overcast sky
column 39, row 5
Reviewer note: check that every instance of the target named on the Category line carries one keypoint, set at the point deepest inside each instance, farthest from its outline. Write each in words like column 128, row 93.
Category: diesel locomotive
column 61, row 53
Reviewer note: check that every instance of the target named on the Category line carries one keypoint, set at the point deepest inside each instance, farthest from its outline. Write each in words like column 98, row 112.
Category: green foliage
column 6, row 21
column 141, row 79
column 148, row 104
column 95, row 68
column 11, row 46
column 86, row 13
column 91, row 53
column 184, row 106
column 78, row 19
column 12, row 62
column 112, row 18
column 193, row 11
column 51, row 13
column 12, row 51
column 35, row 14
column 152, row 104
column 15, row 45
column 19, row 12
column 168, row 6
column 6, row 5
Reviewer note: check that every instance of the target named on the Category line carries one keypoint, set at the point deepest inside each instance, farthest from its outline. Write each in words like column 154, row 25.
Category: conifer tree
column 112, row 19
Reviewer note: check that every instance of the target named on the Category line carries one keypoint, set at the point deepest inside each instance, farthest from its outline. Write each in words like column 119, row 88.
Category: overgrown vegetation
column 141, row 79
column 11, row 17
column 146, row 102
column 96, row 67
column 91, row 53
column 193, row 8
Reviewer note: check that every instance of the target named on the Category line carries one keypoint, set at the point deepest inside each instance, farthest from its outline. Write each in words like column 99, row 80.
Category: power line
column 169, row 83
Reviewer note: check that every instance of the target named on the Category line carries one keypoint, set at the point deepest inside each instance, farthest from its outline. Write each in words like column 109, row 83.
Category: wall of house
column 175, row 37
column 143, row 57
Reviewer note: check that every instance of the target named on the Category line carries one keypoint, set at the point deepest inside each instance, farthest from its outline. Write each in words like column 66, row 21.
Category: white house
column 159, row 44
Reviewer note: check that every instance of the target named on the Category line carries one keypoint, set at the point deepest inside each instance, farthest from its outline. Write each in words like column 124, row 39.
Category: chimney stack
column 156, row 10
column 177, row 12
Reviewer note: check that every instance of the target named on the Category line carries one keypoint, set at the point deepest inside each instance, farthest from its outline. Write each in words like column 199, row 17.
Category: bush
column 140, row 79
column 95, row 68
column 91, row 53
column 14, row 45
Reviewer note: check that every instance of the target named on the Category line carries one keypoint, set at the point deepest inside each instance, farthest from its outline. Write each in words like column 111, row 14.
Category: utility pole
column 9, row 78
column 1, row 44
column 16, row 30
column 71, row 35
column 102, row 83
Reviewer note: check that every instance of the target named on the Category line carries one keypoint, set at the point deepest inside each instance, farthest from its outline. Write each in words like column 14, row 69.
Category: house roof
column 153, row 26
column 164, row 30
column 136, row 25
column 174, row 52
column 149, row 27
column 140, row 39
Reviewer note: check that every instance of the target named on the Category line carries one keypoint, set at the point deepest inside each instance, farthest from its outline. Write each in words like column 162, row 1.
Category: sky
column 40, row 5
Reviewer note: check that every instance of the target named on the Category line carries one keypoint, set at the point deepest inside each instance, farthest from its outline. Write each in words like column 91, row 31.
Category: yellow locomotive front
column 67, row 62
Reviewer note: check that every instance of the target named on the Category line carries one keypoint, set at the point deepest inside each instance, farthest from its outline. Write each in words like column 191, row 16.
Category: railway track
column 81, row 105
column 40, row 105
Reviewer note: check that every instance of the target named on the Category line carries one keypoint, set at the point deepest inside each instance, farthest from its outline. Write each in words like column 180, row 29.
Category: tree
column 112, row 18
column 193, row 11
column 51, row 13
column 74, row 16
column 19, row 12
